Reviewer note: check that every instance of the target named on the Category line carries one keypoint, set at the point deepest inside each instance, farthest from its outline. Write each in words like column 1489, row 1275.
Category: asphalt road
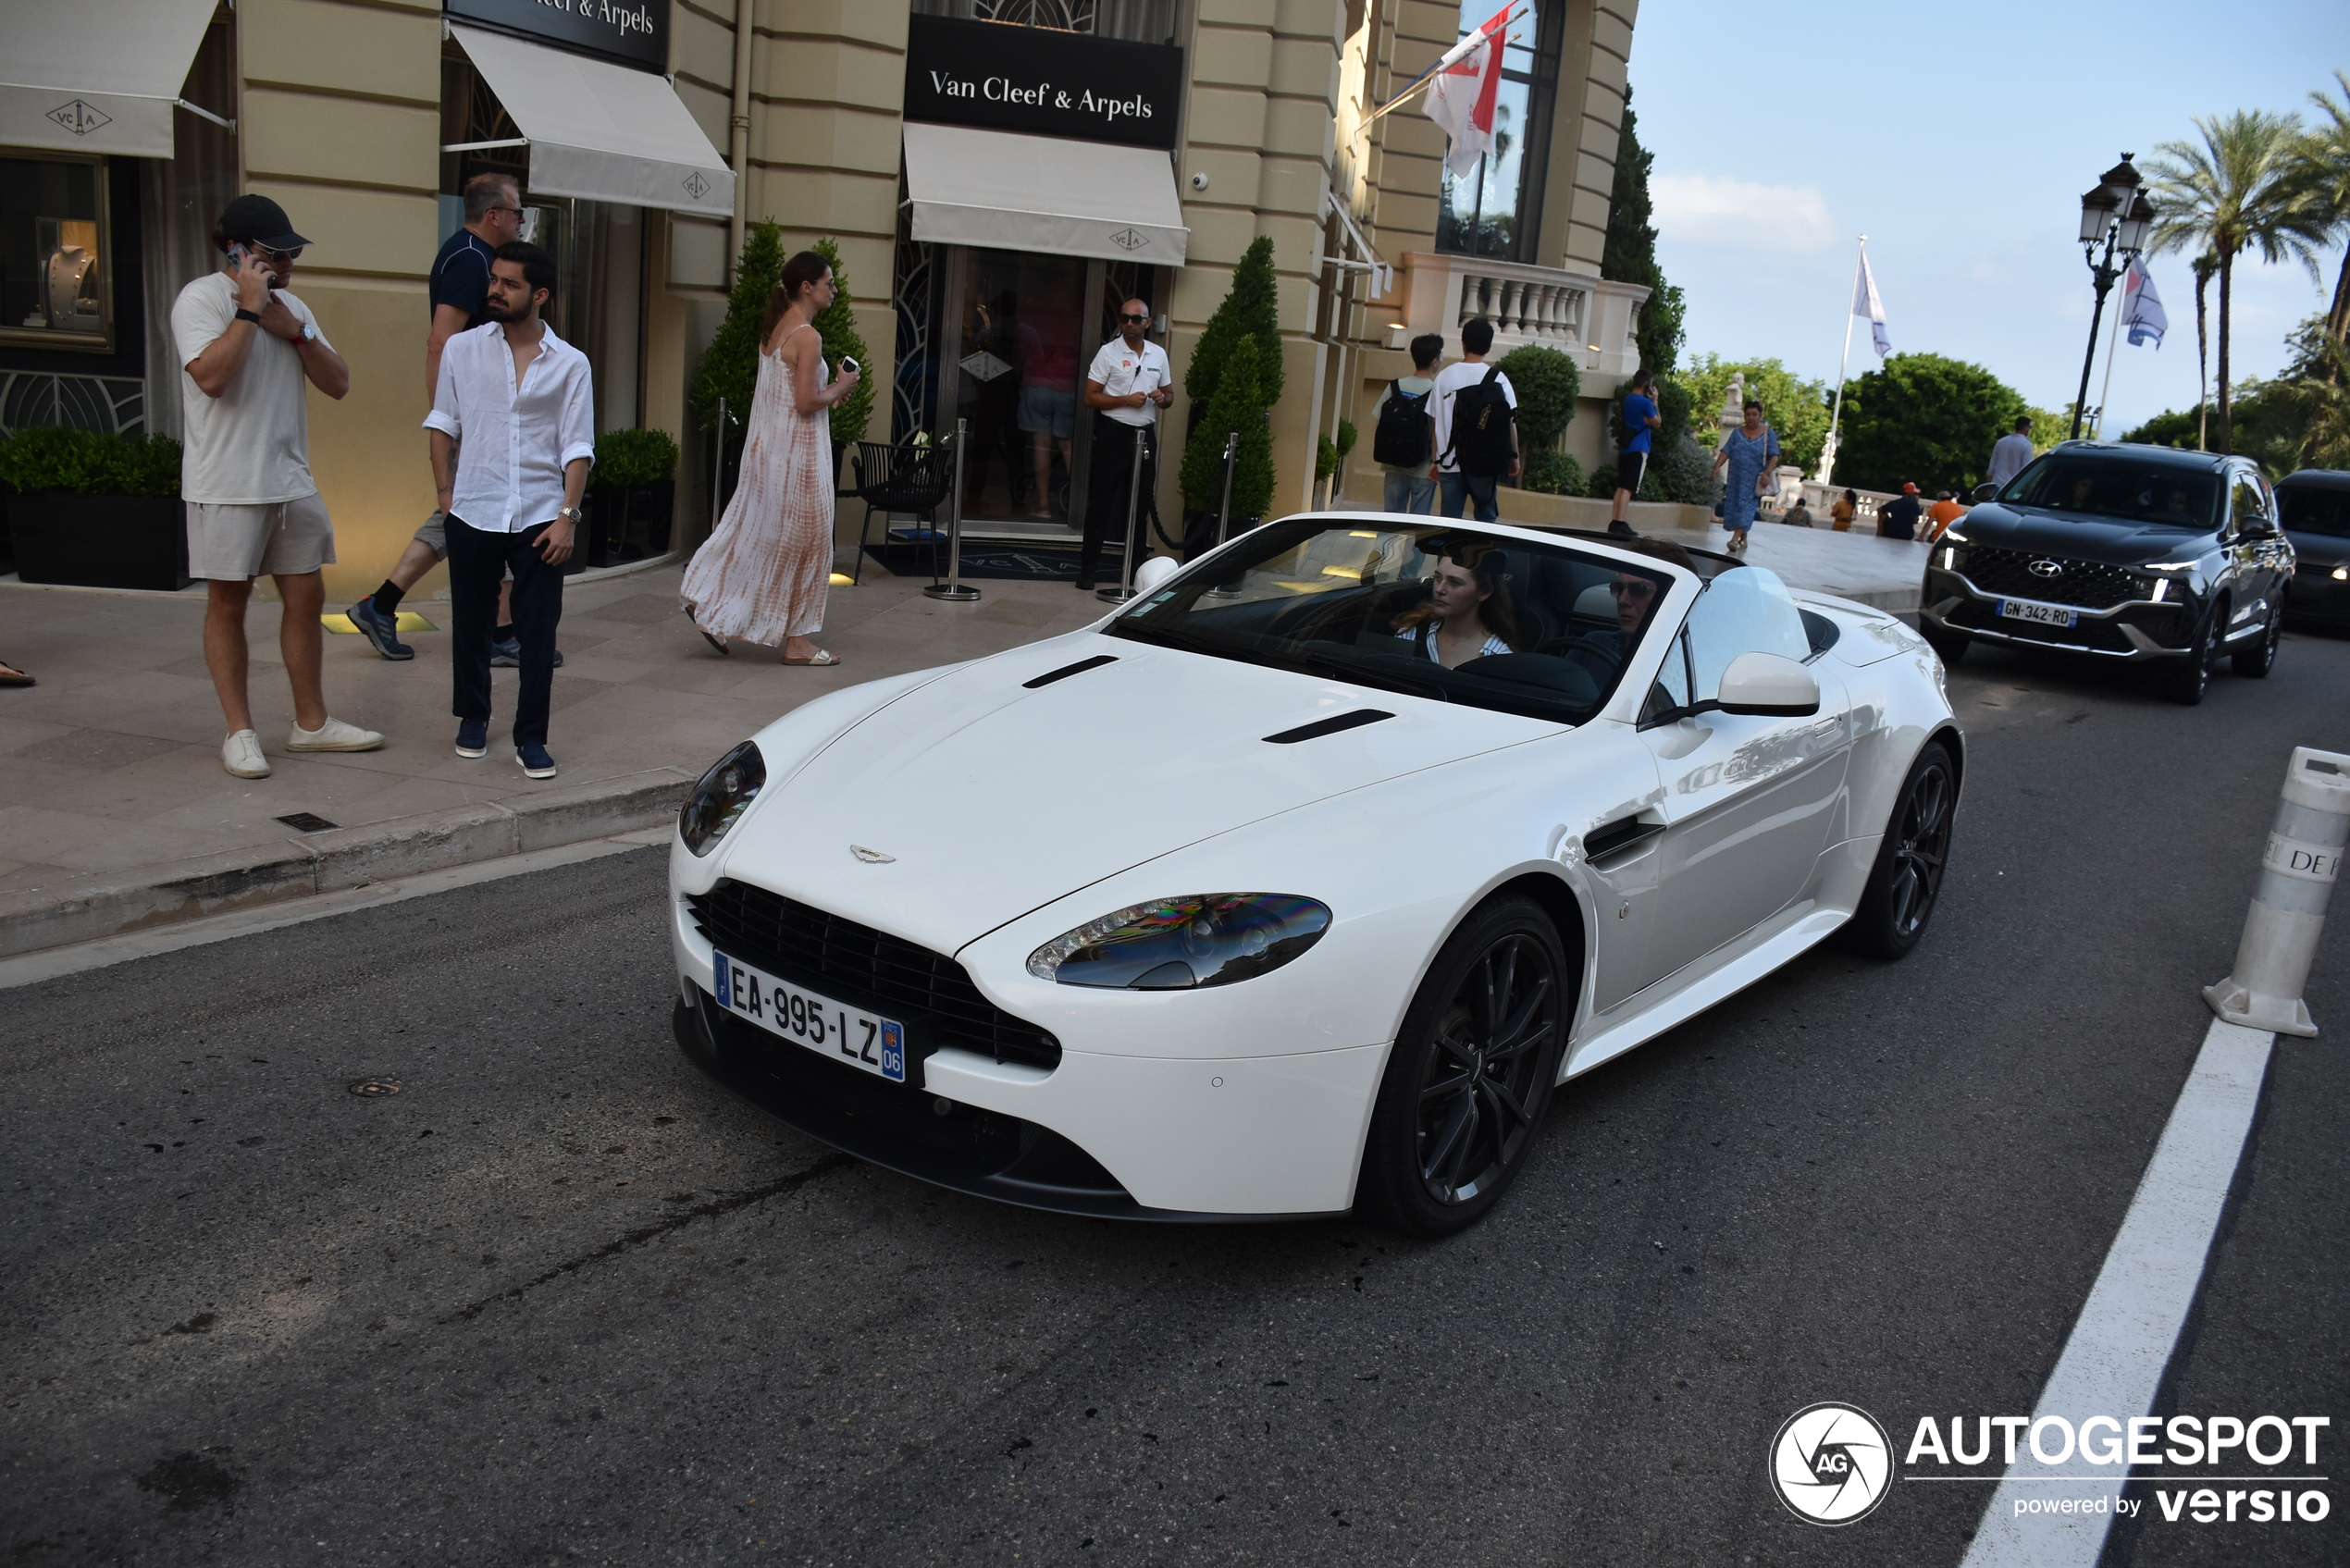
column 560, row 1299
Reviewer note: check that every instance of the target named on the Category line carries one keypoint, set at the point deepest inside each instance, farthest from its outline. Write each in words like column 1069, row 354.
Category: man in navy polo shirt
column 1640, row 425
column 460, row 293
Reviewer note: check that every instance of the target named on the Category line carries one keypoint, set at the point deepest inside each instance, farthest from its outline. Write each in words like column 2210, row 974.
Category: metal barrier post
column 953, row 588
column 2297, row 873
column 1135, row 457
column 1224, row 510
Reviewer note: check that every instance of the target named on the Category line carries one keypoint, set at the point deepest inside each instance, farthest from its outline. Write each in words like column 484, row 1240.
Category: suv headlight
column 722, row 795
column 1180, row 943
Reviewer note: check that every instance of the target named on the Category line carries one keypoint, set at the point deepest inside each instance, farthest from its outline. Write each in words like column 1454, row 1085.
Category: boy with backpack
column 1475, row 411
column 1400, row 443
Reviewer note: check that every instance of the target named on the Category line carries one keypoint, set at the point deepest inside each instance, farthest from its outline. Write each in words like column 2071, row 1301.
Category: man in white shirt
column 1126, row 386
column 1463, row 472
column 2011, row 453
column 522, row 403
column 246, row 348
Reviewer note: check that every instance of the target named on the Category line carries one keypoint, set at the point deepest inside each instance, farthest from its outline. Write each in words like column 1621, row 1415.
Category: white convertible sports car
column 1296, row 885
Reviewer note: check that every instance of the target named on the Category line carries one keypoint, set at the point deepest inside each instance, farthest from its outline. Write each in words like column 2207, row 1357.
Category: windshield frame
column 1158, row 617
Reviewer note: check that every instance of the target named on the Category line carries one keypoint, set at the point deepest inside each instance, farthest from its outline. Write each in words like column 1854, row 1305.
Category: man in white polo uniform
column 1126, row 386
column 246, row 347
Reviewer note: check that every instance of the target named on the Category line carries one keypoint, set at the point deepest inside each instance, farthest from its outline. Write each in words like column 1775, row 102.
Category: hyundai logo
column 2047, row 569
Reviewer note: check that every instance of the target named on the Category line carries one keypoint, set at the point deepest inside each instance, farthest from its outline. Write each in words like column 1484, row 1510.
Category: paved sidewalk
column 115, row 811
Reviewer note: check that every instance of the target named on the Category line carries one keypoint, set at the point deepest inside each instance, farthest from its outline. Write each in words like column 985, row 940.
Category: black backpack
column 1481, row 412
column 1400, row 440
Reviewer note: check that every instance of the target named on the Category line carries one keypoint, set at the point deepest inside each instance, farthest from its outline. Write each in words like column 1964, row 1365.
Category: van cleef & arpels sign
column 1042, row 81
column 635, row 32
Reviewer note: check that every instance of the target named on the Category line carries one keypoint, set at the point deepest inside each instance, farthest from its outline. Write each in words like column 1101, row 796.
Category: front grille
column 2090, row 585
column 859, row 965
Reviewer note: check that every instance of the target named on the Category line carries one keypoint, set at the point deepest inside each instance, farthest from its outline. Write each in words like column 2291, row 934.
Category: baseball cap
column 261, row 221
column 1906, row 487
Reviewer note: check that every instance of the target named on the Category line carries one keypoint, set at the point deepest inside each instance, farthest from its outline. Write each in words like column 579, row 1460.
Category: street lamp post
column 2118, row 213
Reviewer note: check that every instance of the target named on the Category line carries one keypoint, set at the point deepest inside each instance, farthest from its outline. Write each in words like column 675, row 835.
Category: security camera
column 1199, row 182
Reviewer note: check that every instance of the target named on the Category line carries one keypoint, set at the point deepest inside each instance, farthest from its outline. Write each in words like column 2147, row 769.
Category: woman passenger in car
column 1467, row 614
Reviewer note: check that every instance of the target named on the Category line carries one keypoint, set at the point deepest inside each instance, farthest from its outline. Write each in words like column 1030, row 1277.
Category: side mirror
column 1769, row 685
column 1157, row 570
column 2258, row 526
column 1985, row 492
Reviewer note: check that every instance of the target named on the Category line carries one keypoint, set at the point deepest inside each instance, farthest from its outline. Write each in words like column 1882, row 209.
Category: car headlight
column 725, row 793
column 1179, row 943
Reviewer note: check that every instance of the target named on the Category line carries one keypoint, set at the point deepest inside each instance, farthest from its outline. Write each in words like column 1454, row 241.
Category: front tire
column 2255, row 662
column 1907, row 879
column 1470, row 1075
column 2187, row 680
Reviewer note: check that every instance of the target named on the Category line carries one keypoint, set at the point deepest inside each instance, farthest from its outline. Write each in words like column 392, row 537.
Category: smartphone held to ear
column 237, row 255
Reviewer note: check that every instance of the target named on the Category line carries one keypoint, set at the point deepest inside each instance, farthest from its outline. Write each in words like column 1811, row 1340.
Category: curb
column 112, row 903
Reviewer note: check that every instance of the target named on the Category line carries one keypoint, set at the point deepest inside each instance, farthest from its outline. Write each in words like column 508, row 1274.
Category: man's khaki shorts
column 434, row 533
column 236, row 544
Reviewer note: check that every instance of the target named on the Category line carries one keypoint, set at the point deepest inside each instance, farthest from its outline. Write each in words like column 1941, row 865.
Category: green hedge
column 1553, row 474
column 86, row 462
column 634, row 457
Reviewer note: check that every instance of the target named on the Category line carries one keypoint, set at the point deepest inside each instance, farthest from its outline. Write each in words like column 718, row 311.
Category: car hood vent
column 1335, row 724
column 1066, row 670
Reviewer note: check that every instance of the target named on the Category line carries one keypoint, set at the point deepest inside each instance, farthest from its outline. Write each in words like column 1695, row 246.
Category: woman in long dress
column 1747, row 450
column 764, row 572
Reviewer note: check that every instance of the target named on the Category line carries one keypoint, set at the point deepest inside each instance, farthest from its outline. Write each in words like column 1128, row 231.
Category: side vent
column 1066, row 670
column 1330, row 726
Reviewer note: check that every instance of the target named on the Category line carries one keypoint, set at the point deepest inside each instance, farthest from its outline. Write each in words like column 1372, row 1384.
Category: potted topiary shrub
column 1546, row 384
column 631, row 496
column 96, row 510
column 1238, row 407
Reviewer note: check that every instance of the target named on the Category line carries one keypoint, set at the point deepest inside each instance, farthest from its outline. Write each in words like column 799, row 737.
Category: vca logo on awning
column 80, row 118
column 1831, row 1464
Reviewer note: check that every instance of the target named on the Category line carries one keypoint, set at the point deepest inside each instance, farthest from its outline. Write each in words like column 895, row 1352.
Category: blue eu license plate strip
column 865, row 1041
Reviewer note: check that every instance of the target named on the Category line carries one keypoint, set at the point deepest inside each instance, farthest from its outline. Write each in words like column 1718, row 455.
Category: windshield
column 2304, row 509
column 1444, row 612
column 2155, row 494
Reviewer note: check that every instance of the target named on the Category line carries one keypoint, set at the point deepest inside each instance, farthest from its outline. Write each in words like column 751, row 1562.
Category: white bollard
column 2297, row 872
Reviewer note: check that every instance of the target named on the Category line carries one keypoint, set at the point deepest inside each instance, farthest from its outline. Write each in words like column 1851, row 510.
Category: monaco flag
column 1461, row 98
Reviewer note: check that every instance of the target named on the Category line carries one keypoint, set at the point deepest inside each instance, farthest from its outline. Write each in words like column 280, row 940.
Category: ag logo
column 1831, row 1464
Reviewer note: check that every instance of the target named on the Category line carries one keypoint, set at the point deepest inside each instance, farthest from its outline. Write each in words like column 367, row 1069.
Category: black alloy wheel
column 2255, row 662
column 2184, row 681
column 1907, row 878
column 1470, row 1074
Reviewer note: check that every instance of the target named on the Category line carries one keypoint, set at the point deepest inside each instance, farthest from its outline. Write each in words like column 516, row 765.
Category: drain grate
column 308, row 821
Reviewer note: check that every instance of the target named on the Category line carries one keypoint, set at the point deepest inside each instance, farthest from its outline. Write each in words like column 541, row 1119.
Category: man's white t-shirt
column 1450, row 381
column 2010, row 455
column 251, row 445
column 1124, row 372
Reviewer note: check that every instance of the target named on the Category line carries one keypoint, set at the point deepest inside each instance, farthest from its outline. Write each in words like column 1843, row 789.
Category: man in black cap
column 247, row 349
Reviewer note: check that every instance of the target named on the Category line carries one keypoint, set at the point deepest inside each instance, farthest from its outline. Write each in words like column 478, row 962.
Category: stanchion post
column 2297, row 873
column 1136, row 455
column 953, row 589
column 1224, row 510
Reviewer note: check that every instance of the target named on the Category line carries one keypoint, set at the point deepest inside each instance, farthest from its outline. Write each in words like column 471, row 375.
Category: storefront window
column 55, row 266
column 1495, row 210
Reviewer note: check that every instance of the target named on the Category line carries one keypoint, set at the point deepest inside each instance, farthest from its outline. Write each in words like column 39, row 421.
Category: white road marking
column 2114, row 1361
column 29, row 968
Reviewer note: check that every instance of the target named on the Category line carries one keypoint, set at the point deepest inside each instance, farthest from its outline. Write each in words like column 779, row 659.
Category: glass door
column 1020, row 356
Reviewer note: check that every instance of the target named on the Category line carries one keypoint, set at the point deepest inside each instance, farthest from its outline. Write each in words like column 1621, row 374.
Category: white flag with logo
column 1866, row 302
column 1468, row 84
column 2142, row 311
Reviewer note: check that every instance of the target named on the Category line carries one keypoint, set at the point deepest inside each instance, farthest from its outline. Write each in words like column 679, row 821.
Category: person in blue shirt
column 1641, row 423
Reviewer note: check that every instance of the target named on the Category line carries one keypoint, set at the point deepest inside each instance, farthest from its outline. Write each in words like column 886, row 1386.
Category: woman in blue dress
column 1748, row 451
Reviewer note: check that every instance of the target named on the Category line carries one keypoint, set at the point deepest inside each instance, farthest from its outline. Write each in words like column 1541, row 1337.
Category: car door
column 2262, row 540
column 1748, row 800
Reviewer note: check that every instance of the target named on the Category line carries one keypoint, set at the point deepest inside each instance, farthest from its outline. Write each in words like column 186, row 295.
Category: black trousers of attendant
column 1114, row 445
column 479, row 560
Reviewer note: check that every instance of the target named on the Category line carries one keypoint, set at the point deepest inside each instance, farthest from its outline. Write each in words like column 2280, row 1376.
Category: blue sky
column 1959, row 139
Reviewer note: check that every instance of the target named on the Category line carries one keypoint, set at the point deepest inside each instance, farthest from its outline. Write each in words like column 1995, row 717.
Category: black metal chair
column 902, row 479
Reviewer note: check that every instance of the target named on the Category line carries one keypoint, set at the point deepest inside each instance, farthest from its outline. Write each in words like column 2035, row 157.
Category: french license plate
column 863, row 1039
column 2038, row 614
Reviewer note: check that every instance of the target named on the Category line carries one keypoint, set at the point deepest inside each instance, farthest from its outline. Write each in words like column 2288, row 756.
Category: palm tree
column 2204, row 268
column 2234, row 192
column 2322, row 160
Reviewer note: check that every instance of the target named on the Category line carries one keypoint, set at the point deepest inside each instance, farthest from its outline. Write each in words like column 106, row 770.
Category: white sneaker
column 333, row 736
column 241, row 754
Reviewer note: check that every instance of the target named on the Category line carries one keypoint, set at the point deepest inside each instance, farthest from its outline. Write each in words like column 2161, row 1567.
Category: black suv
column 2314, row 506
column 2136, row 554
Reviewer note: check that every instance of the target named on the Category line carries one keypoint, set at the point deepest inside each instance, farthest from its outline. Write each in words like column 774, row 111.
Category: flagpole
column 1827, row 463
column 2112, row 350
column 1448, row 58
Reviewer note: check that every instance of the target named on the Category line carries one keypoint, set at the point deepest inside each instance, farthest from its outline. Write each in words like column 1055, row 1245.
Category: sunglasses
column 1144, row 320
column 267, row 255
column 1638, row 590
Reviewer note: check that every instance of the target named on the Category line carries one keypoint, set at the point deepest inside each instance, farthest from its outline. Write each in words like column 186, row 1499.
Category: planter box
column 627, row 523
column 100, row 541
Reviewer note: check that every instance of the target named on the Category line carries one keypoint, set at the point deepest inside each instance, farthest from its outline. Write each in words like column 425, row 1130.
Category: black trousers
column 479, row 560
column 1114, row 447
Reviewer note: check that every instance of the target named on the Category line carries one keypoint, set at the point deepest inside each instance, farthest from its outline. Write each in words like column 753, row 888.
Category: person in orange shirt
column 1944, row 510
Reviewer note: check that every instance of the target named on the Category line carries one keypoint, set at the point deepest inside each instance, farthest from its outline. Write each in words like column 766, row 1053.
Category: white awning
column 602, row 131
column 1015, row 193
column 97, row 76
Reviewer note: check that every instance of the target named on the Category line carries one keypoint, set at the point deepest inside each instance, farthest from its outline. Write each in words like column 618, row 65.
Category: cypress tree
column 729, row 367
column 836, row 326
column 1239, row 404
column 1251, row 309
column 1630, row 255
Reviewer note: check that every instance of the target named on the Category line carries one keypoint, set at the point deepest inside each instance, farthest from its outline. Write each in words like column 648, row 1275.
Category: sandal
column 12, row 676
column 822, row 657
column 718, row 643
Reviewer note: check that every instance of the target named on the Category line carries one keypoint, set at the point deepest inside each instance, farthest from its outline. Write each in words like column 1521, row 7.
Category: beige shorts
column 435, row 534
column 236, row 544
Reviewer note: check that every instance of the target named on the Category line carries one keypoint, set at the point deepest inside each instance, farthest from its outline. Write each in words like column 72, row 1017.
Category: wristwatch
column 309, row 331
column 571, row 514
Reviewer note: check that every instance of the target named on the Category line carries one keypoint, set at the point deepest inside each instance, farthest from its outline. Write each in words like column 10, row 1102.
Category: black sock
column 386, row 598
column 504, row 634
